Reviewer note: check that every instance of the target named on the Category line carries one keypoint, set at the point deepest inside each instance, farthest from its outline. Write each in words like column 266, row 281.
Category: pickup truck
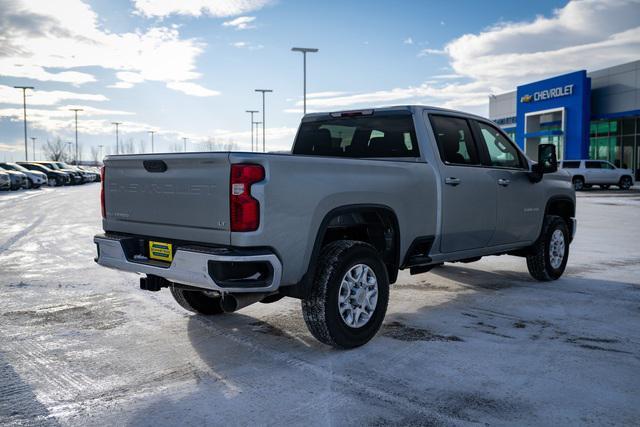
column 362, row 195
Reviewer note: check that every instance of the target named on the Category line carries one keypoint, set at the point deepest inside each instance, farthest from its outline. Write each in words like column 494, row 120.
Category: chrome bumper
column 189, row 266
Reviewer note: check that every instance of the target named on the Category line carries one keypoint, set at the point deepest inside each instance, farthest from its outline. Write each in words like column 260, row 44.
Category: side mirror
column 547, row 162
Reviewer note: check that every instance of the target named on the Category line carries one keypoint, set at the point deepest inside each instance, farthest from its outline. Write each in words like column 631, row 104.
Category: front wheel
column 549, row 254
column 201, row 302
column 625, row 183
column 350, row 294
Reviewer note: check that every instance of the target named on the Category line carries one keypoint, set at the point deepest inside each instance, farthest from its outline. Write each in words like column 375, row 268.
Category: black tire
column 321, row 309
column 539, row 261
column 197, row 301
column 625, row 183
column 578, row 183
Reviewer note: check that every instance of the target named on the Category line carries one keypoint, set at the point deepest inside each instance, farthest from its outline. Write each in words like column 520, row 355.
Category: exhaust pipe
column 234, row 302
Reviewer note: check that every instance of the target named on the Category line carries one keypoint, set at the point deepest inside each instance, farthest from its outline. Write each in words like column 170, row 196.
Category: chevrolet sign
column 543, row 95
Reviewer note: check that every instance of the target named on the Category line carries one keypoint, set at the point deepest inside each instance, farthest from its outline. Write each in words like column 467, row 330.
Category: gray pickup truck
column 362, row 195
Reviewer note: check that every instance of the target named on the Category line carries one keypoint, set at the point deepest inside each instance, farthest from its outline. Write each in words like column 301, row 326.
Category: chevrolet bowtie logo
column 526, row 98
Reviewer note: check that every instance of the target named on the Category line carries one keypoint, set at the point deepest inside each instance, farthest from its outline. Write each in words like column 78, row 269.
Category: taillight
column 102, row 176
column 245, row 210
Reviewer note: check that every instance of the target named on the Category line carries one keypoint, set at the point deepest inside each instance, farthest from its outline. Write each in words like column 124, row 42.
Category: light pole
column 263, row 117
column 252, row 112
column 75, row 110
column 151, row 132
column 257, row 125
column 304, row 51
column 184, row 138
column 70, row 144
column 33, row 151
column 117, row 139
column 100, row 152
column 24, row 109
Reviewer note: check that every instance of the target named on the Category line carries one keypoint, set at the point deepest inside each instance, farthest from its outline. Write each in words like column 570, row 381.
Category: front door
column 468, row 190
column 519, row 204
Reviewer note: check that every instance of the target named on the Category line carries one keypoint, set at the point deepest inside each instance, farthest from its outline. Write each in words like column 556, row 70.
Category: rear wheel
column 549, row 254
column 578, row 183
column 201, row 302
column 350, row 293
column 625, row 183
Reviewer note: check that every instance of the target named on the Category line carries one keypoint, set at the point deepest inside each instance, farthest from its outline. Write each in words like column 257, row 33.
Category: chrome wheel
column 358, row 296
column 556, row 249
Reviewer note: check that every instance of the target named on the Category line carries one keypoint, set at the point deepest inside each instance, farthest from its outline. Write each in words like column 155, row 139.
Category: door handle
column 504, row 182
column 452, row 181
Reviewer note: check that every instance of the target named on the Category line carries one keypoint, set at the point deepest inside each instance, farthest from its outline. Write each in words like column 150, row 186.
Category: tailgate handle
column 154, row 165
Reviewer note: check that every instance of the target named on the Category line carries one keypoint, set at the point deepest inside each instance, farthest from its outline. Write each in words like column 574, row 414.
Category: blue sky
column 189, row 68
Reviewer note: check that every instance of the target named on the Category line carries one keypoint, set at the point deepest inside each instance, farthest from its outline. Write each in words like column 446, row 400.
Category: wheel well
column 374, row 224
column 577, row 176
column 562, row 207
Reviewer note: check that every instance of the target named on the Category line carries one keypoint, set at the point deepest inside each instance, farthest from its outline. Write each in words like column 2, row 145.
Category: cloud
column 587, row 34
column 408, row 40
column 428, row 51
column 247, row 45
column 10, row 95
column 193, row 89
column 39, row 36
column 240, row 23
column 215, row 8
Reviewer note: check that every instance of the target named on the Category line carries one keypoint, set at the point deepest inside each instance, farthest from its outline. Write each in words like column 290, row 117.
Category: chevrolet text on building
column 586, row 115
column 542, row 95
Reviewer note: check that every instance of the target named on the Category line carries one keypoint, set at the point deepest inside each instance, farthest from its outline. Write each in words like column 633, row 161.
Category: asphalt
column 466, row 344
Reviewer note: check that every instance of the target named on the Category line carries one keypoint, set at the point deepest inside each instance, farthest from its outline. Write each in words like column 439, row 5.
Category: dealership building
column 592, row 115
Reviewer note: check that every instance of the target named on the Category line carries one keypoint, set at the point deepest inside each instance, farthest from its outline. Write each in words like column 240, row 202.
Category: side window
column 592, row 165
column 502, row 152
column 454, row 139
column 607, row 165
column 570, row 165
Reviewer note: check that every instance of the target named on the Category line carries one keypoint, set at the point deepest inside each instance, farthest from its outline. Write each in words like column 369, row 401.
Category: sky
column 188, row 69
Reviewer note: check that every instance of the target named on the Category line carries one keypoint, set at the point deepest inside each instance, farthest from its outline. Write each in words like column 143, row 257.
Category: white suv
column 585, row 173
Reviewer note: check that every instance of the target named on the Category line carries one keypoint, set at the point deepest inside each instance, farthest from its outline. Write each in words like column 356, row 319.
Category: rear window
column 571, row 165
column 593, row 165
column 378, row 135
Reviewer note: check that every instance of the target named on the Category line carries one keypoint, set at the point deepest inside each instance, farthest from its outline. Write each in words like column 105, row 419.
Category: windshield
column 377, row 135
column 15, row 167
column 51, row 166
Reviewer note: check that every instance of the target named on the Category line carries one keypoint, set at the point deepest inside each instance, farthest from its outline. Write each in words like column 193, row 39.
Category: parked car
column 35, row 179
column 5, row 181
column 76, row 176
column 93, row 171
column 18, row 179
column 586, row 173
column 86, row 176
column 363, row 195
column 54, row 178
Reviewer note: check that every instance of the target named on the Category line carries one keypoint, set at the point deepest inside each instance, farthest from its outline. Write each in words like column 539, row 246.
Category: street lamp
column 304, row 51
column 257, row 125
column 252, row 112
column 100, row 152
column 117, row 139
column 151, row 132
column 184, row 138
column 33, row 151
column 75, row 110
column 70, row 144
column 263, row 117
column 24, row 108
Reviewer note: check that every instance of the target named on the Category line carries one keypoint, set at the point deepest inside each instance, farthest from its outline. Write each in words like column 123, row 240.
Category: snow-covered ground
column 466, row 344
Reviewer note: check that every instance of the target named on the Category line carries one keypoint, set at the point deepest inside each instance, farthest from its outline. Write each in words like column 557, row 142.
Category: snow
column 465, row 344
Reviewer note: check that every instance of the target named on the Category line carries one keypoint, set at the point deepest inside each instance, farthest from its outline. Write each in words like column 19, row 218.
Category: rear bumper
column 193, row 265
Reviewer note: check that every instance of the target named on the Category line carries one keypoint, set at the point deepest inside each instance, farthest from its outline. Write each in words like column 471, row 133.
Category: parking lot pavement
column 465, row 344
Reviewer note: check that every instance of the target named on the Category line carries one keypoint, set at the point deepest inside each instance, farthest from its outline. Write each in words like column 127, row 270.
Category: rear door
column 609, row 173
column 468, row 190
column 175, row 196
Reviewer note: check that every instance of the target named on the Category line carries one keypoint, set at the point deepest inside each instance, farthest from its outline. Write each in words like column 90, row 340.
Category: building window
column 616, row 141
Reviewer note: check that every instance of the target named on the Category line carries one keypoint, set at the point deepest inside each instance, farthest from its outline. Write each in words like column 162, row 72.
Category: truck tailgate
column 181, row 196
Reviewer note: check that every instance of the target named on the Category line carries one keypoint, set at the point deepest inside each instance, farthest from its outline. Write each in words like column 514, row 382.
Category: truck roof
column 393, row 108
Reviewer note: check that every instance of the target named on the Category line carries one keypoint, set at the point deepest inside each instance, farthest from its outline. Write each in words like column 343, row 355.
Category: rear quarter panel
column 299, row 191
